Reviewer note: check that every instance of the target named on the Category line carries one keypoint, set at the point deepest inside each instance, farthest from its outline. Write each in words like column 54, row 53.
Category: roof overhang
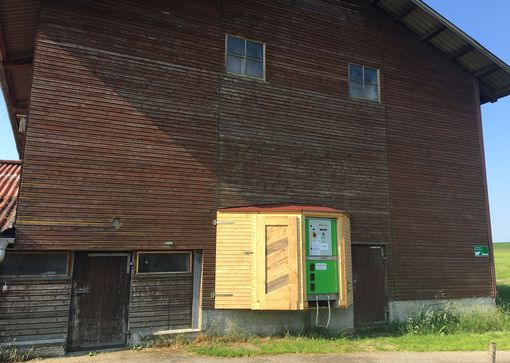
column 18, row 26
column 491, row 72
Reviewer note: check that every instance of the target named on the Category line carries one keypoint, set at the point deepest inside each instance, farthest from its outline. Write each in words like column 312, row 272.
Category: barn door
column 99, row 301
column 277, row 276
column 369, row 280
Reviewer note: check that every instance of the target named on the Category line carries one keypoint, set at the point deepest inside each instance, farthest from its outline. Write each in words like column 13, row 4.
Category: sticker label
column 481, row 251
column 319, row 230
column 321, row 266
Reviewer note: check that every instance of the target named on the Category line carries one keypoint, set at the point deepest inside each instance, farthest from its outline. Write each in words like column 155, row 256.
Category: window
column 363, row 82
column 34, row 264
column 161, row 262
column 245, row 57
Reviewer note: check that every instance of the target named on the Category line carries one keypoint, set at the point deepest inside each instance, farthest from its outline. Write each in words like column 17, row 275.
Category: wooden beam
column 434, row 32
column 460, row 52
column 487, row 92
column 502, row 92
column 404, row 12
column 486, row 71
column 12, row 63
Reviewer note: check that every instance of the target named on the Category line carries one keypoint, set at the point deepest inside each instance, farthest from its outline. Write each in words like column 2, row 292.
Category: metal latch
column 83, row 290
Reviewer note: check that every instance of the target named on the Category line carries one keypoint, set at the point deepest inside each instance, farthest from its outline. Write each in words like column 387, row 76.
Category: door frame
column 129, row 272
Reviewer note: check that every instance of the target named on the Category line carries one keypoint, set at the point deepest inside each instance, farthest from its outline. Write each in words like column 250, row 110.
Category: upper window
column 161, row 262
column 34, row 264
column 245, row 57
column 363, row 82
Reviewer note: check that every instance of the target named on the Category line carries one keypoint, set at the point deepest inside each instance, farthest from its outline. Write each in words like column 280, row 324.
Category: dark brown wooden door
column 369, row 280
column 100, row 301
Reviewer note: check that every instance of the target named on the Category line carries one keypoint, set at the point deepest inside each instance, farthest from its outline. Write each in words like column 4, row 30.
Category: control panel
column 321, row 259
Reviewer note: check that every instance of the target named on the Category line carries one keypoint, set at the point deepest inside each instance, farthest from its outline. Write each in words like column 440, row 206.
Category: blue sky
column 487, row 22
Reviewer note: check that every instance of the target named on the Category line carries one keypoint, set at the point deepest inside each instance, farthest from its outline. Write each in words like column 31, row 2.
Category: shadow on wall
column 145, row 113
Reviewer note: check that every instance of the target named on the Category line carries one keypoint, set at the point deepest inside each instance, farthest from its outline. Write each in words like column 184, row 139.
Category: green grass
column 285, row 345
column 502, row 262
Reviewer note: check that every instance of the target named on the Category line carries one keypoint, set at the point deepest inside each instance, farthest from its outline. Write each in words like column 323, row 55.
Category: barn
column 250, row 165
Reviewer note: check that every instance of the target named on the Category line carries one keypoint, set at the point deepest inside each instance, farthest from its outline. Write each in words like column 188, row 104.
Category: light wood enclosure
column 260, row 257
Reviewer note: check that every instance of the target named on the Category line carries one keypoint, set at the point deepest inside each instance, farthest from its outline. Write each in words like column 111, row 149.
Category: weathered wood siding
column 131, row 116
column 35, row 309
column 435, row 174
column 123, row 124
column 160, row 302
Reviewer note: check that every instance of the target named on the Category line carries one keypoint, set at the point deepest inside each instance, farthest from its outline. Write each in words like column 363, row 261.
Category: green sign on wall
column 481, row 251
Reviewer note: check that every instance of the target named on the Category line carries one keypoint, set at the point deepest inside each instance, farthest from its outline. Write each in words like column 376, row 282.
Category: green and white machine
column 321, row 259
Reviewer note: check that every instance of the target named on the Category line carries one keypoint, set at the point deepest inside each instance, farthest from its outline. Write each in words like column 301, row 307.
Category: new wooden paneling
column 345, row 262
column 277, row 264
column 235, row 236
column 161, row 302
column 34, row 309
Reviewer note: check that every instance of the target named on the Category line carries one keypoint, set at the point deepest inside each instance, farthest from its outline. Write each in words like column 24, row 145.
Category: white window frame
column 245, row 57
column 364, row 83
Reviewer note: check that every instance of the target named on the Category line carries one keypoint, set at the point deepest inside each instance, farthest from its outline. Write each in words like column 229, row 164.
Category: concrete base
column 401, row 310
column 254, row 322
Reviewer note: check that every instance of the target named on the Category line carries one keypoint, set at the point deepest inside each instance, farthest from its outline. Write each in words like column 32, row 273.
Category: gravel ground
column 169, row 356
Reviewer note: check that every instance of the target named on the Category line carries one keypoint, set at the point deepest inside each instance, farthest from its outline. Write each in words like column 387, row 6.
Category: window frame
column 263, row 79
column 378, row 100
column 67, row 273
column 137, row 261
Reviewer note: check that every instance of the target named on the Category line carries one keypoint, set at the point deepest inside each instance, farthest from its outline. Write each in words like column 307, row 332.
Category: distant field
column 502, row 263
column 502, row 246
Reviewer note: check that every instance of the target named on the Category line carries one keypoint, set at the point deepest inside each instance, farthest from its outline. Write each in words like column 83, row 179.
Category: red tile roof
column 10, row 172
column 279, row 208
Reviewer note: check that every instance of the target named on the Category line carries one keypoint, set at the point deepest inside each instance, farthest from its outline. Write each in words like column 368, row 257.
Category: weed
column 12, row 354
column 432, row 320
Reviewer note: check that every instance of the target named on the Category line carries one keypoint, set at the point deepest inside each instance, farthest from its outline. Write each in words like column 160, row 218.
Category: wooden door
column 99, row 305
column 277, row 263
column 369, row 280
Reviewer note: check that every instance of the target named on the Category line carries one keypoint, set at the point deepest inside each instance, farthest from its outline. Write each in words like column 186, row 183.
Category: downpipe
column 3, row 245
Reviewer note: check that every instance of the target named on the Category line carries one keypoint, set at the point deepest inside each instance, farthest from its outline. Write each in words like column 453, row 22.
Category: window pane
column 370, row 75
column 254, row 50
column 254, row 68
column 235, row 64
column 356, row 89
column 371, row 92
column 235, row 45
column 164, row 262
column 34, row 264
column 356, row 73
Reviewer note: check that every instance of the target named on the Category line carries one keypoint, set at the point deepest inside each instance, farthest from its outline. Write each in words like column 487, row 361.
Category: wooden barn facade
column 141, row 125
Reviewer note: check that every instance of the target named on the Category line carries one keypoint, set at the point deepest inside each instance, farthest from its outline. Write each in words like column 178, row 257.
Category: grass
column 431, row 330
column 285, row 345
column 502, row 262
column 12, row 354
